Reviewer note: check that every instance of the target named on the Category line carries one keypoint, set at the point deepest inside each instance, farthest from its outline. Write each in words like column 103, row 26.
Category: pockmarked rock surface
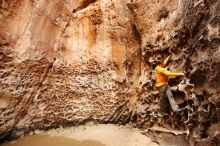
column 68, row 62
column 65, row 62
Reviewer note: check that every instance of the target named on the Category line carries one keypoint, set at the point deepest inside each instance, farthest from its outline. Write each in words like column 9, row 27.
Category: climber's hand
column 182, row 74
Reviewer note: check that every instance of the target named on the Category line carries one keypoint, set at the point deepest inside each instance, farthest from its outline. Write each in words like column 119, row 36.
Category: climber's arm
column 168, row 73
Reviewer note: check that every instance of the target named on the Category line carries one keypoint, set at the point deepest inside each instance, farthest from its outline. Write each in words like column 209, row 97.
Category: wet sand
column 88, row 135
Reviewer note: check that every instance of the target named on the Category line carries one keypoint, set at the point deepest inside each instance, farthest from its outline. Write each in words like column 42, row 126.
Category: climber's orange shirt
column 162, row 76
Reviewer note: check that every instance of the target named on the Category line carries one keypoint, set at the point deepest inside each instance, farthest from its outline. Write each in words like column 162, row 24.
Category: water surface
column 47, row 140
column 87, row 135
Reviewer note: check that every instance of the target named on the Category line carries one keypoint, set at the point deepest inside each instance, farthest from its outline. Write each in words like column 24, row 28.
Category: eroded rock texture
column 66, row 62
column 189, row 30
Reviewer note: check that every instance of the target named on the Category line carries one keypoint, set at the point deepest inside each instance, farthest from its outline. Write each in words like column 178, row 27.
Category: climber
column 165, row 93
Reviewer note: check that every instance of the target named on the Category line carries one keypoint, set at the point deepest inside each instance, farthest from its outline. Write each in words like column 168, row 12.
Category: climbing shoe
column 164, row 113
column 180, row 109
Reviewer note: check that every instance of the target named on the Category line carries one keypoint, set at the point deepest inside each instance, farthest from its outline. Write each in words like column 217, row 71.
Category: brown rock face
column 66, row 62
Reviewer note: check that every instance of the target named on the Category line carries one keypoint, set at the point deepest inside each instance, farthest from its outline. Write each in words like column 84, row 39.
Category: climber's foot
column 164, row 113
column 180, row 109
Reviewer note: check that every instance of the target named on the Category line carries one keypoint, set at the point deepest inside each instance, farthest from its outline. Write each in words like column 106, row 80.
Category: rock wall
column 189, row 31
column 66, row 62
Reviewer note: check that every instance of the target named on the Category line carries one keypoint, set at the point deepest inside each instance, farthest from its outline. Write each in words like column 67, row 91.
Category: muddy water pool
column 87, row 135
column 47, row 140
